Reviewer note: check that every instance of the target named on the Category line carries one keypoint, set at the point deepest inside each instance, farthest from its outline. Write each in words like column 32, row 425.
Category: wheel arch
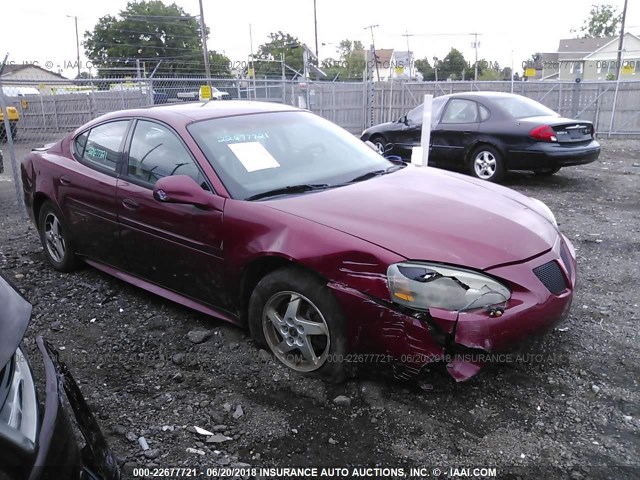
column 260, row 267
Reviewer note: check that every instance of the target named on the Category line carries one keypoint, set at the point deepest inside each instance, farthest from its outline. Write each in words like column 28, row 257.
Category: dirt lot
column 578, row 411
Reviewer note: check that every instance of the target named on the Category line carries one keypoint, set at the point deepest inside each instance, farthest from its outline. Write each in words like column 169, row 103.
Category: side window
column 157, row 152
column 103, row 146
column 415, row 115
column 484, row 113
column 459, row 110
column 80, row 143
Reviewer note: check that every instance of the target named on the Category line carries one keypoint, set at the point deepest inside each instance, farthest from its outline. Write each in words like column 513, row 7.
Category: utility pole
column 621, row 41
column 77, row 43
column 476, row 45
column 315, row 24
column 407, row 35
column 373, row 48
column 205, row 51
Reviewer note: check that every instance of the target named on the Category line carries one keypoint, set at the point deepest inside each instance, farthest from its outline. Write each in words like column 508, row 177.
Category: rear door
column 178, row 247
column 87, row 191
column 455, row 132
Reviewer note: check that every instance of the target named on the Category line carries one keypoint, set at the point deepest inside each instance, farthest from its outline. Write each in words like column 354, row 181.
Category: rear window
column 522, row 107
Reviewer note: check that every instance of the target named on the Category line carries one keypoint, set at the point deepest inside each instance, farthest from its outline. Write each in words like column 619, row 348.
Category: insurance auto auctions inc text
column 376, row 472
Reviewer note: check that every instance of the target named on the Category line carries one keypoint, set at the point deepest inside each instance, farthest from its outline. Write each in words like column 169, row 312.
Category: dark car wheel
column 486, row 164
column 380, row 143
column 547, row 172
column 55, row 238
column 294, row 314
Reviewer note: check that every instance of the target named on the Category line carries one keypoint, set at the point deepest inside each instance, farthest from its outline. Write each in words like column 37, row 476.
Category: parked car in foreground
column 272, row 217
column 36, row 437
column 489, row 133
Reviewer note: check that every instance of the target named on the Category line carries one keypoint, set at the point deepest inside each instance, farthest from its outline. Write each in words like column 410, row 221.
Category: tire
column 547, row 172
column 380, row 142
column 56, row 239
column 487, row 164
column 282, row 305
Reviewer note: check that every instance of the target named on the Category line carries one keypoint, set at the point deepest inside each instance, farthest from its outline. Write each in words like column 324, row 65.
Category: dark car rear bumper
column 552, row 155
column 58, row 455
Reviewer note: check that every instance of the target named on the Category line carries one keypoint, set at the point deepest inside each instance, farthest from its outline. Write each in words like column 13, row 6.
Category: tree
column 351, row 62
column 603, row 21
column 271, row 54
column 219, row 64
column 424, row 68
column 147, row 32
column 452, row 66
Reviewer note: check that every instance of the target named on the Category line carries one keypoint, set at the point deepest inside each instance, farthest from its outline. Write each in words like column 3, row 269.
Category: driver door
column 178, row 247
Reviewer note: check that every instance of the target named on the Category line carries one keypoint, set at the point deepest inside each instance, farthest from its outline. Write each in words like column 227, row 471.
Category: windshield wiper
column 288, row 190
column 377, row 173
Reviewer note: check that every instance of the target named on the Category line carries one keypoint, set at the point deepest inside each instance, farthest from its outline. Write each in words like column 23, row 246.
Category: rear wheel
column 487, row 164
column 294, row 315
column 546, row 172
column 55, row 238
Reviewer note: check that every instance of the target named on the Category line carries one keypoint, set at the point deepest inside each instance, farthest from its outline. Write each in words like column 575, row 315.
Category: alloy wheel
column 296, row 331
column 485, row 165
column 56, row 245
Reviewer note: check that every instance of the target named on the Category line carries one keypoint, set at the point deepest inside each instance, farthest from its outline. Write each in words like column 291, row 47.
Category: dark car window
column 103, row 147
column 415, row 115
column 485, row 114
column 459, row 110
column 157, row 152
column 522, row 107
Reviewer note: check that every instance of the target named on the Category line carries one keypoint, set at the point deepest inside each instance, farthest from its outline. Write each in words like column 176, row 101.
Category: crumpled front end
column 541, row 295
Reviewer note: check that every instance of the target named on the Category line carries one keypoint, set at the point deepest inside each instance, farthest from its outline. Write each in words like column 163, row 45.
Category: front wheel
column 487, row 164
column 294, row 314
column 55, row 238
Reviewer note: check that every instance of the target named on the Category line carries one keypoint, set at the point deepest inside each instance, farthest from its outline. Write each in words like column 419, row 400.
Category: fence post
column 596, row 120
column 575, row 99
column 55, row 113
column 12, row 154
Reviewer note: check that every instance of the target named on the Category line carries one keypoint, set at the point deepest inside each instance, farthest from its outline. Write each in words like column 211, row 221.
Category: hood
column 423, row 213
column 14, row 319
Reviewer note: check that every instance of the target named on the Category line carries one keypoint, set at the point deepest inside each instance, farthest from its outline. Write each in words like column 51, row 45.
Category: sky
column 509, row 30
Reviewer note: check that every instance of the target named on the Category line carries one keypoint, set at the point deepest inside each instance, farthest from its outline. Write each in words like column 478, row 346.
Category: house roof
column 11, row 69
column 578, row 48
column 383, row 56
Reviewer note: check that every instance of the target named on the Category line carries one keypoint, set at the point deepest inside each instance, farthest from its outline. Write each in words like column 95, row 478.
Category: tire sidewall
column 307, row 284
column 500, row 169
column 68, row 261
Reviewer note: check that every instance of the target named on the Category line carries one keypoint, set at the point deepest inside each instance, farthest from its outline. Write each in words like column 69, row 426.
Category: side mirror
column 404, row 119
column 181, row 189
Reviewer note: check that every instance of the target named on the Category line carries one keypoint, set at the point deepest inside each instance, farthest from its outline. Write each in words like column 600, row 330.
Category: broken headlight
column 424, row 285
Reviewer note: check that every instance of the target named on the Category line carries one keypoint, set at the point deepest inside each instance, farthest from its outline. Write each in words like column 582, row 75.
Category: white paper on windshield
column 253, row 156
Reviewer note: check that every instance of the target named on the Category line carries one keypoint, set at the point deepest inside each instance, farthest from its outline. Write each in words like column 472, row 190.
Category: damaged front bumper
column 462, row 340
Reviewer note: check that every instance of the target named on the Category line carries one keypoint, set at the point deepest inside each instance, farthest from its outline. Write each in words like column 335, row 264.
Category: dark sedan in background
column 488, row 133
column 37, row 440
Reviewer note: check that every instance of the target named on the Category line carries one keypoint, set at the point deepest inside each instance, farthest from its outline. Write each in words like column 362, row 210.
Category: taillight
column 544, row 133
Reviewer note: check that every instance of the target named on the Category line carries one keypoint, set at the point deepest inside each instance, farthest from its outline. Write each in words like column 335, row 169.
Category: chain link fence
column 36, row 113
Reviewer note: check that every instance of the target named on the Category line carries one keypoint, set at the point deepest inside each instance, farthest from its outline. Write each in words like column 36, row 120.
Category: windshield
column 522, row 107
column 259, row 153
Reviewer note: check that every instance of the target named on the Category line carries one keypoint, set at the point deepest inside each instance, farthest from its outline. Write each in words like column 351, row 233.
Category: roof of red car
column 205, row 110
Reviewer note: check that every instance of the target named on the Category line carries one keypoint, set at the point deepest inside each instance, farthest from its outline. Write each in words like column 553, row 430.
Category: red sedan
column 271, row 217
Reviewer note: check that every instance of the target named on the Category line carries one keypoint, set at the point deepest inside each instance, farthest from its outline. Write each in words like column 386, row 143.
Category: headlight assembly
column 425, row 285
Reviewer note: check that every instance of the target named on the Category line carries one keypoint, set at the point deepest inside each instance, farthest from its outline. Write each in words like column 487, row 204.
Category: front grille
column 5, row 381
column 550, row 274
column 566, row 259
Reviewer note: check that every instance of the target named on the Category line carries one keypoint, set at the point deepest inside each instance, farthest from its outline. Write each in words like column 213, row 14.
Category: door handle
column 130, row 204
column 64, row 180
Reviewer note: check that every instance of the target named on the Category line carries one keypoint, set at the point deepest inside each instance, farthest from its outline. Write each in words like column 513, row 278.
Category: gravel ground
column 153, row 369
